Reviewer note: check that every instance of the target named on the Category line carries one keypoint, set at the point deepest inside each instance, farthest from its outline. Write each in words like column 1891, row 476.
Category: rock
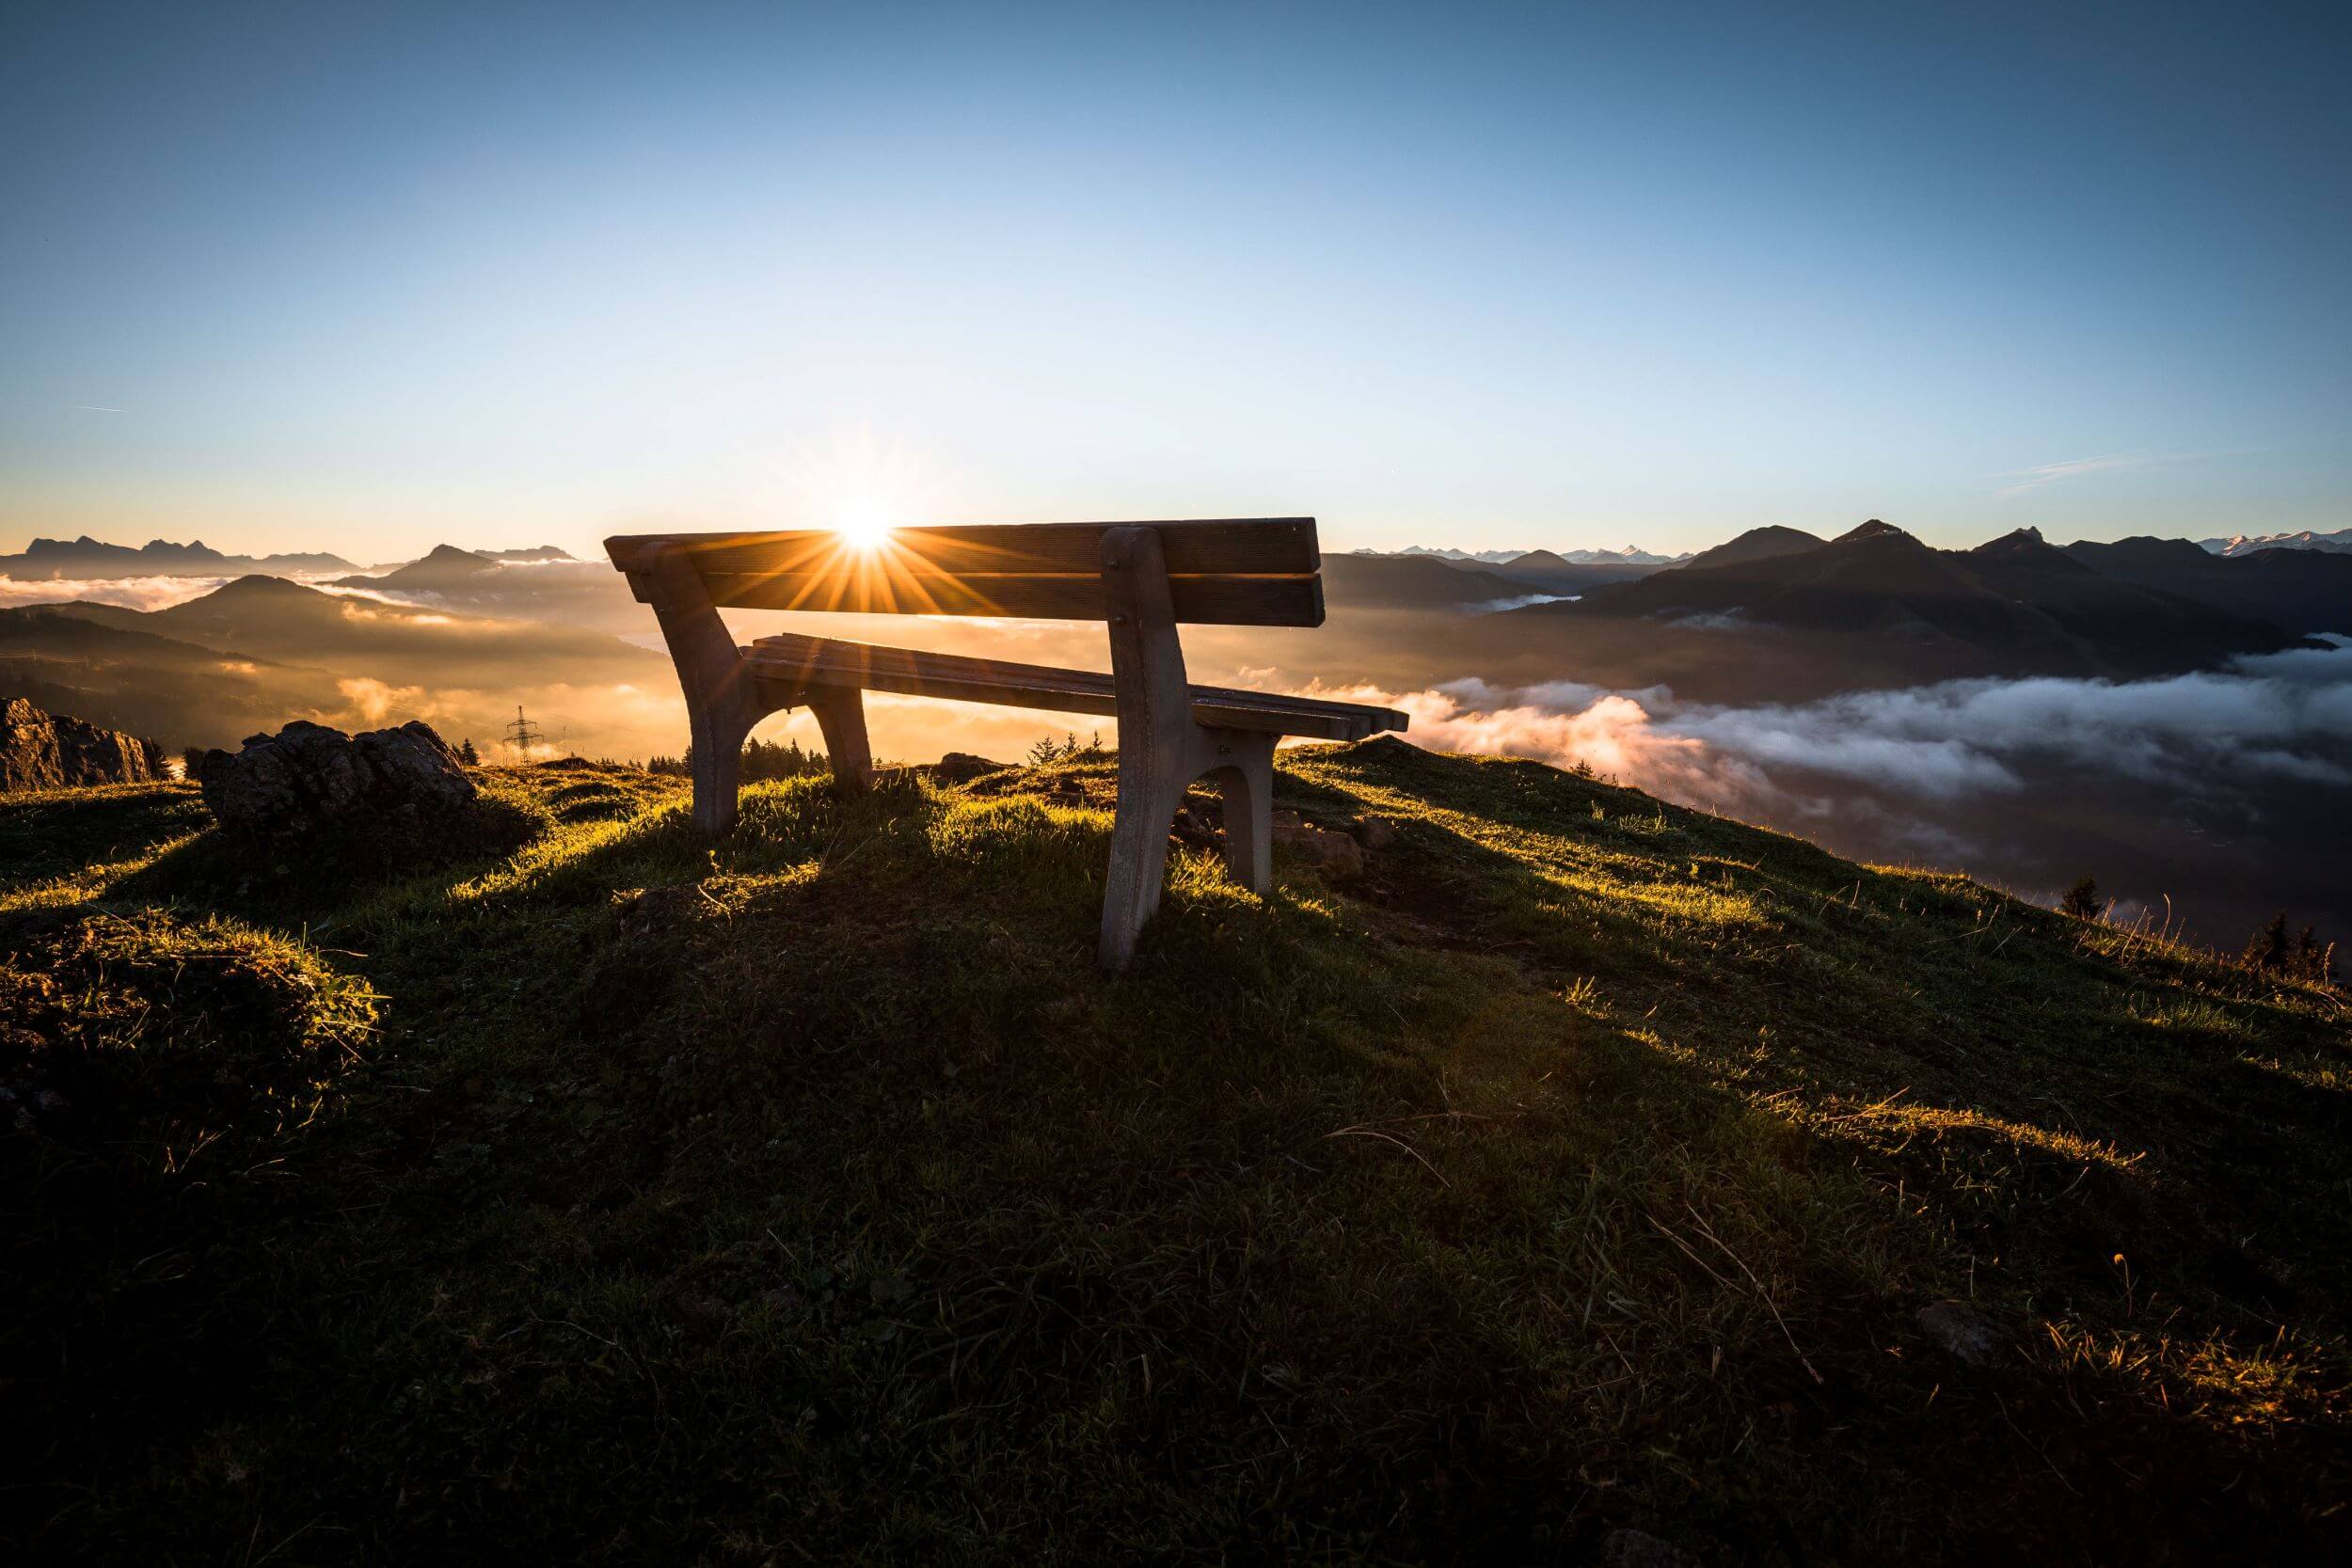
column 956, row 766
column 1191, row 830
column 308, row 777
column 1335, row 852
column 1965, row 1332
column 1377, row 833
column 1633, row 1548
column 45, row 751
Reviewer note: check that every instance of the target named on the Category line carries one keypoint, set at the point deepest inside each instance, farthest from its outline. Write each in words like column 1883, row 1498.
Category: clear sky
column 365, row 276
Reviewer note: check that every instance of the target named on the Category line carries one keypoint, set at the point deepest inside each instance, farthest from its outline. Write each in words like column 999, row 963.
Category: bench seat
column 791, row 661
column 1141, row 580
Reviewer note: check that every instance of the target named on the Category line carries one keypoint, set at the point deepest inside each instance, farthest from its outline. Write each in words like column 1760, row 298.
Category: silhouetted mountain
column 1873, row 608
column 1754, row 545
column 80, row 658
column 2305, row 591
column 1381, row 582
column 2026, row 550
column 445, row 566
column 400, row 643
column 87, row 557
column 259, row 651
column 1522, row 574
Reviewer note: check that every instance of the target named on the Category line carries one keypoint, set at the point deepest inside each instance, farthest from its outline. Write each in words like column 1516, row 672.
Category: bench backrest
column 1233, row 571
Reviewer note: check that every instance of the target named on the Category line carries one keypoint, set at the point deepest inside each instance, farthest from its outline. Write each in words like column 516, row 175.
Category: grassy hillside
column 1583, row 1163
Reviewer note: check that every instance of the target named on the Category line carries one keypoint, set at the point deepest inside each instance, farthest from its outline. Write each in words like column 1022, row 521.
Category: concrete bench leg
column 1161, row 751
column 841, row 716
column 1241, row 764
column 1147, row 806
column 721, row 701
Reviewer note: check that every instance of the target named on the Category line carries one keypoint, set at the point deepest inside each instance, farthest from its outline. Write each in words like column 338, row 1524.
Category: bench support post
column 722, row 702
column 841, row 718
column 1241, row 764
column 1161, row 751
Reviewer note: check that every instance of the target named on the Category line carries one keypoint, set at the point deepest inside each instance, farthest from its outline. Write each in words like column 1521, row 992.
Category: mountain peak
column 256, row 585
column 1756, row 544
column 1874, row 529
column 2024, row 546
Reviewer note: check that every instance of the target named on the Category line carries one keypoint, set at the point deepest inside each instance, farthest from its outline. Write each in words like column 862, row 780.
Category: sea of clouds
column 1924, row 769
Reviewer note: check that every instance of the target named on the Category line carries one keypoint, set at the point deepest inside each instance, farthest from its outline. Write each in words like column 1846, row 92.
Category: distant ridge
column 1877, row 606
column 1632, row 555
column 524, row 557
column 2338, row 543
column 87, row 558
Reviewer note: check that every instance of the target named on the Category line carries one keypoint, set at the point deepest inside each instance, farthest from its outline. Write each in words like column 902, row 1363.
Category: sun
column 864, row 524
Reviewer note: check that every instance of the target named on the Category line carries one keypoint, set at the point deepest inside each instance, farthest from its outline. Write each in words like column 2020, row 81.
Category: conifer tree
column 2268, row 949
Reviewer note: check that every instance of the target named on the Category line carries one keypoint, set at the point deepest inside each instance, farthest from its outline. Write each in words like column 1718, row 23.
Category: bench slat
column 791, row 660
column 1220, row 547
column 1230, row 601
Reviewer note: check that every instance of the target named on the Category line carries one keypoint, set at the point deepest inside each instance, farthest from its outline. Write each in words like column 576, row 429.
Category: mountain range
column 2340, row 541
column 1632, row 555
column 1778, row 614
column 89, row 558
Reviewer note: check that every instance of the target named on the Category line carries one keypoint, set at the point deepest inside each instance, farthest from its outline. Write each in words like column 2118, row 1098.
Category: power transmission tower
column 522, row 735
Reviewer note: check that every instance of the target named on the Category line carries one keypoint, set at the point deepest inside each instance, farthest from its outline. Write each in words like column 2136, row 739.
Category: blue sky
column 366, row 278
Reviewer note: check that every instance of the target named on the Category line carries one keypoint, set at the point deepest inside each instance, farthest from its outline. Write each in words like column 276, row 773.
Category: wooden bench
column 1139, row 579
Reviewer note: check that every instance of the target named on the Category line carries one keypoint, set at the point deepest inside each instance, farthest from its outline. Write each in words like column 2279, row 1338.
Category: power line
column 522, row 735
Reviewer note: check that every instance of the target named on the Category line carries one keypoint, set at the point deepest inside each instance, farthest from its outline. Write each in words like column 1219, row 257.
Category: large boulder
column 45, row 751
column 308, row 778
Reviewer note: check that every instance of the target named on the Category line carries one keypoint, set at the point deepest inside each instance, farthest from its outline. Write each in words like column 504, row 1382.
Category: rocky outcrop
column 46, row 750
column 308, row 778
column 963, row 767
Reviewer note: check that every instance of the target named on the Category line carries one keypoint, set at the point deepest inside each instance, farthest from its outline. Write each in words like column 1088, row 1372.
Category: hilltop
column 1583, row 1164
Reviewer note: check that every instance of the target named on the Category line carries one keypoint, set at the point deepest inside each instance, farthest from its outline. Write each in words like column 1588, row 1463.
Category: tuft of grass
column 162, row 1080
column 1583, row 1162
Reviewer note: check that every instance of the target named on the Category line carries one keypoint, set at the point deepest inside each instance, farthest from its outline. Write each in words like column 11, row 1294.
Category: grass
column 1583, row 1163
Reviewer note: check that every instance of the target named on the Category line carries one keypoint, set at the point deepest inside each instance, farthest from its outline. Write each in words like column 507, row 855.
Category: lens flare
column 863, row 525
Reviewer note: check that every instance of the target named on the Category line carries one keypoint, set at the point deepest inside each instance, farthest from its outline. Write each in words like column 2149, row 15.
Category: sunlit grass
column 1584, row 1162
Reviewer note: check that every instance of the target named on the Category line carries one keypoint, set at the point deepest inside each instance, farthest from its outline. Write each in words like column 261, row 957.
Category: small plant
column 2082, row 900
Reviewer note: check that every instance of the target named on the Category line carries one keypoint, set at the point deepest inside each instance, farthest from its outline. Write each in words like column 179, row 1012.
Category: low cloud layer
column 2286, row 716
column 2222, row 779
column 128, row 593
